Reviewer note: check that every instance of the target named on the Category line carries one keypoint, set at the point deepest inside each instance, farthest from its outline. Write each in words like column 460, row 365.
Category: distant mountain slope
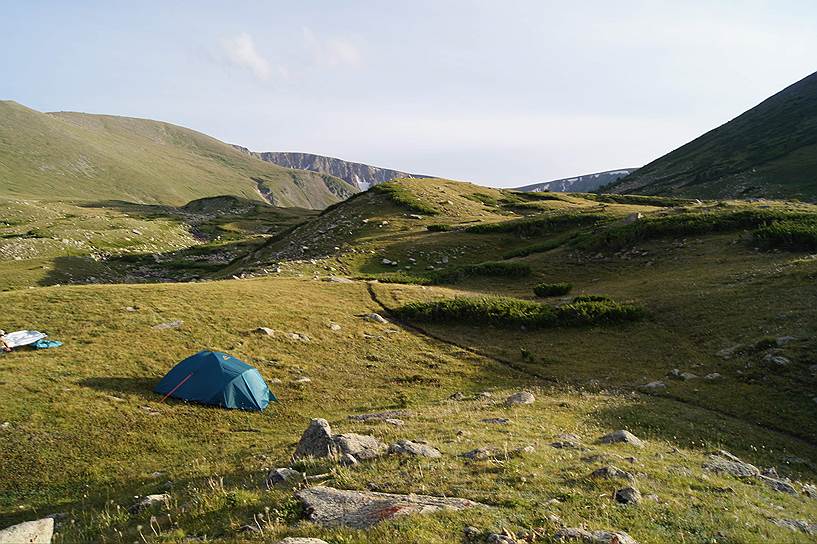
column 579, row 184
column 100, row 157
column 769, row 151
column 358, row 174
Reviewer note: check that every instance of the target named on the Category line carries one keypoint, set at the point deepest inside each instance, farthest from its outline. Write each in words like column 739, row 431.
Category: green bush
column 552, row 289
column 690, row 224
column 537, row 225
column 592, row 298
column 489, row 268
column 793, row 235
column 512, row 312
column 405, row 198
column 396, row 277
column 439, row 227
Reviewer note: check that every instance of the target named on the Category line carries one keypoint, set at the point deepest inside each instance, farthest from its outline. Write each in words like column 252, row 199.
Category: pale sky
column 501, row 93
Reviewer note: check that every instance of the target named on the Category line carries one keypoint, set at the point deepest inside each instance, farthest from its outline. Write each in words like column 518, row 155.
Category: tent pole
column 174, row 389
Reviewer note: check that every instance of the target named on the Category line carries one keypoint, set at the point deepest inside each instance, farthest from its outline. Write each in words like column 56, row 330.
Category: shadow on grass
column 142, row 387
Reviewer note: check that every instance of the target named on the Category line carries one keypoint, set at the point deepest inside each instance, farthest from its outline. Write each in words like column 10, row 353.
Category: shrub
column 592, row 298
column 537, row 225
column 439, row 227
column 405, row 198
column 396, row 277
column 792, row 235
column 552, row 289
column 512, row 312
column 488, row 268
column 692, row 223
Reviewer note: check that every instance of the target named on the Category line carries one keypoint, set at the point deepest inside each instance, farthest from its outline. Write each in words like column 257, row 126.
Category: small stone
column 375, row 318
column 522, row 397
column 783, row 340
column 334, row 326
column 714, row 376
column 728, row 353
column 148, row 501
column 175, row 324
column 776, row 360
column 621, row 436
column 611, row 472
column 459, row 395
column 265, row 331
column 654, row 386
column 339, row 279
column 497, row 420
column 283, row 477
column 686, row 376
column 300, row 540
column 407, row 447
column 478, row 454
column 628, row 495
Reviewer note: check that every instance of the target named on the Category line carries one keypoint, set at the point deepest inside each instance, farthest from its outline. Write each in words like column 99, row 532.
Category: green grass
column 551, row 289
column 70, row 155
column 403, row 197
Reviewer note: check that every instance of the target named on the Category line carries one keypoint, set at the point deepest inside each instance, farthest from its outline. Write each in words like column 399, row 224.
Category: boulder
column 522, row 397
column 572, row 534
column 778, row 484
column 361, row 446
column 316, row 440
column 283, row 477
column 621, row 436
column 498, row 420
column 332, row 507
column 339, row 279
column 407, row 447
column 797, row 525
column 714, row 376
column 723, row 462
column 478, row 454
column 30, row 532
column 143, row 503
column 654, row 386
column 611, row 473
column 375, row 318
column 776, row 360
column 628, row 495
column 265, row 331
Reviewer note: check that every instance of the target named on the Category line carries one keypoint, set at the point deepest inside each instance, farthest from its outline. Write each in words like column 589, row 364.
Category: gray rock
column 686, row 376
column 610, row 473
column 572, row 534
column 265, row 331
column 723, row 462
column 522, row 397
column 728, row 353
column 496, row 420
column 713, row 376
column 496, row 538
column 478, row 454
column 407, row 447
column 362, row 446
column 300, row 540
column 316, row 440
column 797, row 525
column 810, row 490
column 621, row 436
column 628, row 495
column 332, row 507
column 776, row 360
column 783, row 340
column 778, row 484
column 283, row 477
column 381, row 416
column 654, row 386
column 375, row 318
column 29, row 532
column 143, row 503
column 339, row 279
column 175, row 324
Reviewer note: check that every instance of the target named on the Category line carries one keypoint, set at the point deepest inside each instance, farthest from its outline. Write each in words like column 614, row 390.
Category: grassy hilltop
column 690, row 324
column 67, row 155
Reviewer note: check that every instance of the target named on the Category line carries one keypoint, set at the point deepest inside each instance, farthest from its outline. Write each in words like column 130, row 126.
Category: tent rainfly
column 212, row 377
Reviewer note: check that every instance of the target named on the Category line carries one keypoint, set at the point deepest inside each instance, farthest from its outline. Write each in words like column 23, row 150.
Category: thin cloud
column 331, row 51
column 241, row 52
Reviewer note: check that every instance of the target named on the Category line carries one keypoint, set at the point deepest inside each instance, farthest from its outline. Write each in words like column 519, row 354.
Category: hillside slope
column 769, row 151
column 579, row 184
column 98, row 157
column 358, row 174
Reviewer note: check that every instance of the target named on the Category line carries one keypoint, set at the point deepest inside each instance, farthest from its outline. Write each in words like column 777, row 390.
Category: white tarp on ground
column 23, row 338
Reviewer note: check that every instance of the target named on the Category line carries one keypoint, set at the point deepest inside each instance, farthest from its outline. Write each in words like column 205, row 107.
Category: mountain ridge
column 361, row 175
column 584, row 183
column 768, row 151
column 73, row 155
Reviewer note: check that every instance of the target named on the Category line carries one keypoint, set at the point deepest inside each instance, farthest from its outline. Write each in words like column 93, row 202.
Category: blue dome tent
column 212, row 377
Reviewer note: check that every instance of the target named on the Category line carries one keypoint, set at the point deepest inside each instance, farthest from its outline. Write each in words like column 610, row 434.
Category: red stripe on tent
column 174, row 389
